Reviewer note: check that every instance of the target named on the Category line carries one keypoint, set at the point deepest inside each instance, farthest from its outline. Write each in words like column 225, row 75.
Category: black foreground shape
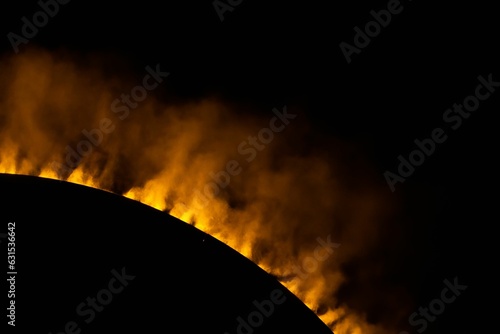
column 69, row 239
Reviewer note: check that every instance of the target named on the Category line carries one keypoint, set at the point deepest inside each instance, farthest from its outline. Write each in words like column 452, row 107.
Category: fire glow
column 270, row 203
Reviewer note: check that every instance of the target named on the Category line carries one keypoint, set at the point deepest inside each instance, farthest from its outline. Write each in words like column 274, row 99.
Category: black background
column 396, row 90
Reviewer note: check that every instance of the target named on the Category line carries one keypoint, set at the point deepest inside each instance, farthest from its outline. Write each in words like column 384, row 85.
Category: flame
column 165, row 154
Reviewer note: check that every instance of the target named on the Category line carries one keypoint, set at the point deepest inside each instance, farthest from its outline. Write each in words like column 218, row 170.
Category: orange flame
column 165, row 154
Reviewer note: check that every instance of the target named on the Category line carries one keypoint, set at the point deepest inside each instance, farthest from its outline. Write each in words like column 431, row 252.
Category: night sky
column 393, row 91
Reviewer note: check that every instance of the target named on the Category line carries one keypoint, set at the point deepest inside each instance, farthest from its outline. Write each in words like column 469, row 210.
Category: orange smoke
column 272, row 209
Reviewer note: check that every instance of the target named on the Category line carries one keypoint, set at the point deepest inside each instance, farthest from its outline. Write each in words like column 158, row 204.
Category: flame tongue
column 200, row 163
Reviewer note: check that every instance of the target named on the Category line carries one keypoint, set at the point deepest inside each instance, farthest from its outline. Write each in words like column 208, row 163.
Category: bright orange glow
column 165, row 155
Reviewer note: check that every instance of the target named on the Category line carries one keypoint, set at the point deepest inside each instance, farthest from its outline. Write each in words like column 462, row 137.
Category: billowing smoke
column 260, row 183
